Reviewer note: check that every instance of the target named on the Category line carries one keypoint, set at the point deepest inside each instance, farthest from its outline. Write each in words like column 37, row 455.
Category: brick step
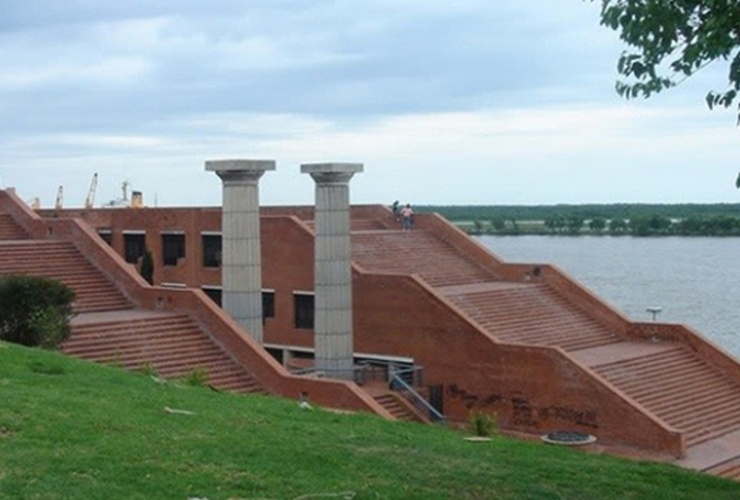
column 651, row 362
column 659, row 389
column 174, row 370
column 237, row 383
column 100, row 296
column 146, row 355
column 574, row 341
column 729, row 469
column 131, row 324
column 391, row 403
column 132, row 333
column 544, row 318
column 393, row 406
column 183, row 365
column 102, row 308
column 706, row 397
column 103, row 347
column 726, row 410
column 40, row 255
column 678, row 375
column 532, row 335
column 169, row 339
column 83, row 306
column 699, row 434
column 642, row 360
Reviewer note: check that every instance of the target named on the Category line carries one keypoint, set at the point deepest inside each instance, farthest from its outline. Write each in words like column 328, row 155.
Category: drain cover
column 568, row 438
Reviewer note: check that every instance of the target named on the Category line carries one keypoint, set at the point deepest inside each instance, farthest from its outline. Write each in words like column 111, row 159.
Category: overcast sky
column 464, row 102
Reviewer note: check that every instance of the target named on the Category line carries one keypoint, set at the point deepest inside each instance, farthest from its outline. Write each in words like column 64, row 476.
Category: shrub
column 197, row 377
column 483, row 424
column 147, row 267
column 35, row 310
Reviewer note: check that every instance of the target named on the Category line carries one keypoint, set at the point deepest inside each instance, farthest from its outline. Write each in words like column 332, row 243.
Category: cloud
column 450, row 102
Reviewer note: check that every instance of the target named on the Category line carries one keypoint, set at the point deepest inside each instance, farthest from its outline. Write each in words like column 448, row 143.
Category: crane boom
column 59, row 204
column 90, row 200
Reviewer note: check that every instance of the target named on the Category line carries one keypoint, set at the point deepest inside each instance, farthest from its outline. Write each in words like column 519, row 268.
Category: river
column 695, row 281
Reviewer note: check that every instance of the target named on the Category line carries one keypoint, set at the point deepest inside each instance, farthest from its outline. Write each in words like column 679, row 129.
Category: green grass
column 70, row 429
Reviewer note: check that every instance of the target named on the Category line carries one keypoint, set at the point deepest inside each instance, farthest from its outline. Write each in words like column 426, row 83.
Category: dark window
column 173, row 248
column 268, row 305
column 303, row 310
column 134, row 247
column 214, row 294
column 106, row 235
column 211, row 250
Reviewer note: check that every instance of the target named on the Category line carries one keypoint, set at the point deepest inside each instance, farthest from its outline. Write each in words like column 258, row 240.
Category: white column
column 332, row 268
column 241, row 259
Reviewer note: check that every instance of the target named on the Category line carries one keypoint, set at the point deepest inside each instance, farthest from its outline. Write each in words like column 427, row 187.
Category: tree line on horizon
column 615, row 219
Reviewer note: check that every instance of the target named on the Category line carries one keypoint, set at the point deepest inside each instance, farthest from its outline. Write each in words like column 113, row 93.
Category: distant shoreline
column 623, row 219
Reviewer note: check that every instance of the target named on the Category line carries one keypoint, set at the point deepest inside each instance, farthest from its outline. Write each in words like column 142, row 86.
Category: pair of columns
column 241, row 255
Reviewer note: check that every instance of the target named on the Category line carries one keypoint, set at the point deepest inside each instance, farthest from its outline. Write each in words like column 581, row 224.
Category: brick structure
column 522, row 340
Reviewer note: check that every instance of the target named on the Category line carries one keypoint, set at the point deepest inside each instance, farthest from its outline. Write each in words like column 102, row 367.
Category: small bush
column 483, row 424
column 197, row 377
column 35, row 310
column 148, row 369
column 147, row 267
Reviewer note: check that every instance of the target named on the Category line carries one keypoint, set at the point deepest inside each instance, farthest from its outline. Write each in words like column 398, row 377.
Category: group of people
column 405, row 214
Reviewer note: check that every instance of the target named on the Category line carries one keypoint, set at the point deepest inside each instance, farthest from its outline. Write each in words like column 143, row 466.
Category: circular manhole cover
column 568, row 438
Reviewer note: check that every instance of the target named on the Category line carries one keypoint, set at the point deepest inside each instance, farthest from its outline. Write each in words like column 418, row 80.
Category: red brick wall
column 531, row 389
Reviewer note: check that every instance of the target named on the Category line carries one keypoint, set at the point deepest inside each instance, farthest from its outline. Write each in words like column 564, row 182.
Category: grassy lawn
column 70, row 429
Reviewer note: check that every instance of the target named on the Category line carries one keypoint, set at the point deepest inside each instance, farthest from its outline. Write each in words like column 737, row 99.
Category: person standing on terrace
column 407, row 216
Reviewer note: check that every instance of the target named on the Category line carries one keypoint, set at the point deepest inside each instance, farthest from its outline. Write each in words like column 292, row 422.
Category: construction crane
column 124, row 187
column 60, row 198
column 90, row 200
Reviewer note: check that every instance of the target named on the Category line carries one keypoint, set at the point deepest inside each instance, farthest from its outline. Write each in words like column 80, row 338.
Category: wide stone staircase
column 668, row 379
column 107, row 328
column 529, row 313
column 61, row 260
column 416, row 252
column 9, row 229
column 169, row 344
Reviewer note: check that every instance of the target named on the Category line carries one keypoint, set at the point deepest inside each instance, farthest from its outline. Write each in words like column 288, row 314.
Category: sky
column 448, row 103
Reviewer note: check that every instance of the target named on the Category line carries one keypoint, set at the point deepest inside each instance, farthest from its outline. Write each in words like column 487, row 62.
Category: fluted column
column 241, row 260
column 332, row 268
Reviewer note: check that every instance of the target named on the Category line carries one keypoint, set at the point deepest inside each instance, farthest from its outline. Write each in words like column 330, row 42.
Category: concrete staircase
column 9, row 229
column 170, row 344
column 670, row 381
column 532, row 314
column 395, row 403
column 61, row 260
column 416, row 252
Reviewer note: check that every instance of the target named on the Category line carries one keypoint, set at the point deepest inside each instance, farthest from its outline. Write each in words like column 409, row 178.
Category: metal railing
column 400, row 380
column 399, row 384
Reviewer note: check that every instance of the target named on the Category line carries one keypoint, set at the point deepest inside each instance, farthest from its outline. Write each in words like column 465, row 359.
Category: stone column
column 332, row 268
column 241, row 260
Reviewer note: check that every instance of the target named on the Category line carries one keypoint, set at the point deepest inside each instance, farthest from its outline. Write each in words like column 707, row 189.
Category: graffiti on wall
column 523, row 412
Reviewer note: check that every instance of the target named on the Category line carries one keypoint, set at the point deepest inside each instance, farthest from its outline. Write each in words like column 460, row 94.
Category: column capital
column 331, row 173
column 239, row 170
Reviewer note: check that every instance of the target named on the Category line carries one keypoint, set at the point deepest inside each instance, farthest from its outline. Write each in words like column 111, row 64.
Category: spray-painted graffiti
column 523, row 412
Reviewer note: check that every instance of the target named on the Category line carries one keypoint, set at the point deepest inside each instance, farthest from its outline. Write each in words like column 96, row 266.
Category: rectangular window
column 106, row 235
column 173, row 248
column 211, row 250
column 304, row 308
column 214, row 294
column 134, row 247
column 268, row 304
